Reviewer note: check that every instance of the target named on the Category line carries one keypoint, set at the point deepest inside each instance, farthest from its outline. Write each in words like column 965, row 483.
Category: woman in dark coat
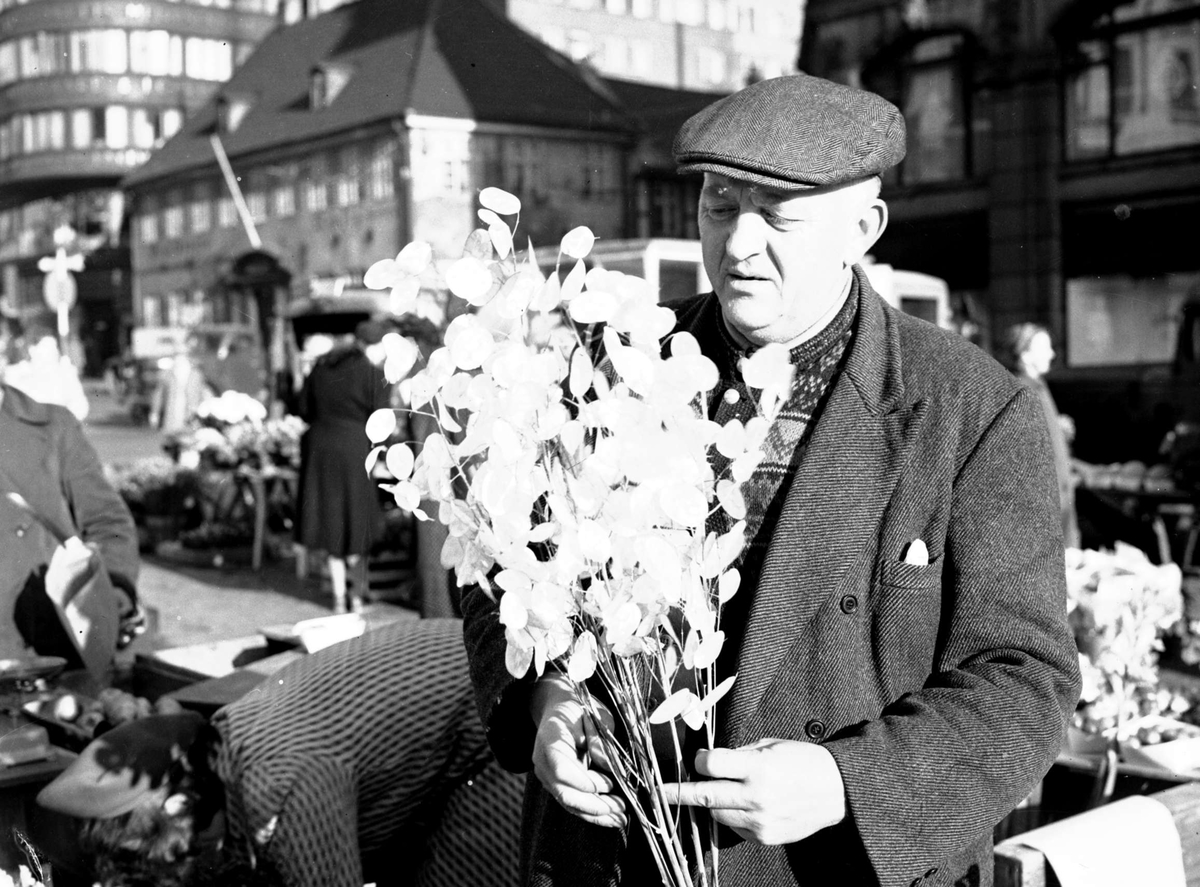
column 339, row 510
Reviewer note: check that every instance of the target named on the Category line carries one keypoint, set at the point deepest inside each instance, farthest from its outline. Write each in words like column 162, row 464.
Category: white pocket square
column 917, row 553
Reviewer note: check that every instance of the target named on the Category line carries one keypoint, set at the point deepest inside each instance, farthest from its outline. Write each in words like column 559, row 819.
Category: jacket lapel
column 858, row 447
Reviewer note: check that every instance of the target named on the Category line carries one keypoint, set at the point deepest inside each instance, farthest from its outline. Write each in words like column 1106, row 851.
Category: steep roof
column 660, row 110
column 460, row 59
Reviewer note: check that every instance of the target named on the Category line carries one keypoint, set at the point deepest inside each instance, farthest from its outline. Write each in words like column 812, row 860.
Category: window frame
column 1106, row 30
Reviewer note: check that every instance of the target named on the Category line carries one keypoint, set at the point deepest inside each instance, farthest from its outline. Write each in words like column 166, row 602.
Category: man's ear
column 868, row 224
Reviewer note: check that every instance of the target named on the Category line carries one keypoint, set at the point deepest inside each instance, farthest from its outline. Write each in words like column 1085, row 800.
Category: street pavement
column 194, row 604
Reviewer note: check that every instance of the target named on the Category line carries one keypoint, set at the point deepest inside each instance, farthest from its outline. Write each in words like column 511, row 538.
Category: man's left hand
column 775, row 791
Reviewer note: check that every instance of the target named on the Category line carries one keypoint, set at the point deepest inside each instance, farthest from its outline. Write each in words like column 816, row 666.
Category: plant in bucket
column 571, row 469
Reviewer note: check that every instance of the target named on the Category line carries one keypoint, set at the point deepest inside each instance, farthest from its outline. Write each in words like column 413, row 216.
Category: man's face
column 778, row 260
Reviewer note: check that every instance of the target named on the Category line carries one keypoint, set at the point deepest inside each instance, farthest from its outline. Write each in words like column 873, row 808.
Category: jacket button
column 849, row 604
column 814, row 729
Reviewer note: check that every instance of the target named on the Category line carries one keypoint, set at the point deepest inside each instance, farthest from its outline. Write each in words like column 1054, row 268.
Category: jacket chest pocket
column 905, row 615
column 902, row 576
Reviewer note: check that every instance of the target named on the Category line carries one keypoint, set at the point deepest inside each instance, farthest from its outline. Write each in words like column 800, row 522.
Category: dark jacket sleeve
column 100, row 514
column 503, row 700
column 940, row 766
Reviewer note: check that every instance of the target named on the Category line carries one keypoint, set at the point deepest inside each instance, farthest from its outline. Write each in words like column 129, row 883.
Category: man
column 904, row 668
column 64, row 521
column 45, row 373
column 363, row 761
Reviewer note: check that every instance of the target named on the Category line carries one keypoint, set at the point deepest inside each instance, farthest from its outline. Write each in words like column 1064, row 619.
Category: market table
column 1171, row 514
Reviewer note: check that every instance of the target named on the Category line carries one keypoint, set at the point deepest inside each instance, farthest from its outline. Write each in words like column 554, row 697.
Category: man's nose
column 746, row 236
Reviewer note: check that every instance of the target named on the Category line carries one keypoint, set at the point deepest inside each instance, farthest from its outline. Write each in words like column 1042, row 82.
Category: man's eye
column 721, row 212
column 778, row 221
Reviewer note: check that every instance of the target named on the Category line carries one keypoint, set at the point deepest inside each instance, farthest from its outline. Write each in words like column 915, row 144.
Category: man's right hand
column 565, row 751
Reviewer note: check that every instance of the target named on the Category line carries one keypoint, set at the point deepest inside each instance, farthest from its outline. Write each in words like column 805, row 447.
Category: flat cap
column 793, row 132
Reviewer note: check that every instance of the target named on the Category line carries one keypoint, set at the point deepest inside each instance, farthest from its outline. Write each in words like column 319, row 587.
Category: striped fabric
column 372, row 744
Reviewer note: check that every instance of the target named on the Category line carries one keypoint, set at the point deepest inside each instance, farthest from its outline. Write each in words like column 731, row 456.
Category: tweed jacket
column 45, row 457
column 942, row 691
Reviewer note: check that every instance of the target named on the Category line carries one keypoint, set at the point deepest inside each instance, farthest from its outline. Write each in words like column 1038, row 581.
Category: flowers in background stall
column 231, row 408
column 233, row 430
column 570, row 468
column 1120, row 605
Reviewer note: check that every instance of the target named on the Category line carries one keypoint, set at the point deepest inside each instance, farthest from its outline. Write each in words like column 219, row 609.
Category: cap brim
column 746, row 175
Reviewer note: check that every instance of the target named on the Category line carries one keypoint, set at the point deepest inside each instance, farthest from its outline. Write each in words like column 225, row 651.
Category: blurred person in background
column 181, row 388
column 1028, row 352
column 60, row 522
column 363, row 761
column 337, row 502
column 44, row 372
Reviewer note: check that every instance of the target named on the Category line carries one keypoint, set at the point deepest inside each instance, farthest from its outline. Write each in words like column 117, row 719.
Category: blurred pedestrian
column 181, row 388
column 44, row 372
column 338, row 503
column 1028, row 352
column 68, row 544
column 364, row 761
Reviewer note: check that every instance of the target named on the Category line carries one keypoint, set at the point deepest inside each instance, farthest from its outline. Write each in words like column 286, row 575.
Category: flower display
column 233, row 431
column 571, row 470
column 1120, row 605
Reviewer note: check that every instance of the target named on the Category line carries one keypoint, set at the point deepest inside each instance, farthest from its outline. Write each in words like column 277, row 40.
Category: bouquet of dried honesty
column 571, row 470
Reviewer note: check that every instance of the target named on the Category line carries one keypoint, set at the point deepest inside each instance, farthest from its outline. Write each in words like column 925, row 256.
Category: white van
column 921, row 295
column 675, row 268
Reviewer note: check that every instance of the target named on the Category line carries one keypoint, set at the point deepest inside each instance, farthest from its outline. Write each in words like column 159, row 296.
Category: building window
column 200, row 215
column 173, row 221
column 227, row 215
column 1134, row 85
column 8, row 62
column 149, row 226
column 616, row 7
column 155, row 52
column 316, row 195
column 116, row 126
column 380, row 182
column 347, row 177
column 928, row 76
column 205, row 59
column 642, row 8
column 284, row 200
column 616, row 55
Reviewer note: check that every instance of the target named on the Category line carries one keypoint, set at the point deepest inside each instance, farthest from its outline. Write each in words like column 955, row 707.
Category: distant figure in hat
column 338, row 503
column 363, row 762
column 45, row 373
column 904, row 667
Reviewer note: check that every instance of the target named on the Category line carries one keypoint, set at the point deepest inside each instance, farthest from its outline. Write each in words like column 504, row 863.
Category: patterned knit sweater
column 816, row 363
